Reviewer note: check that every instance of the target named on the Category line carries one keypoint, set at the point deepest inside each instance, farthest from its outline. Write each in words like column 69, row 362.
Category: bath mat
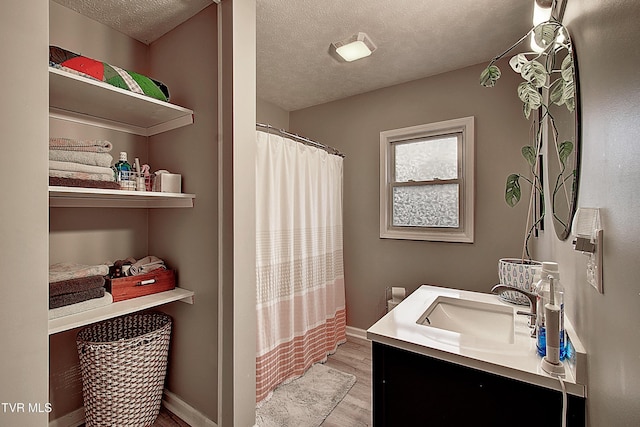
column 306, row 401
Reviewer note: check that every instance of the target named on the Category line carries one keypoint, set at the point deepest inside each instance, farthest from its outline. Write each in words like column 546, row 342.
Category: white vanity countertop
column 519, row 360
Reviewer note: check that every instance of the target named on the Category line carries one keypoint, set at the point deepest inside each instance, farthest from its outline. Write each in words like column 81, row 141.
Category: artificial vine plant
column 539, row 71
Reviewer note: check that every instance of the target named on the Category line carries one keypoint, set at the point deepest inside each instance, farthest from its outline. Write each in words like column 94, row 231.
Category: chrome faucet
column 533, row 302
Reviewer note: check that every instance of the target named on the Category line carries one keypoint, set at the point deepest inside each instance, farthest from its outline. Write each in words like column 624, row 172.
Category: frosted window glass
column 426, row 206
column 427, row 160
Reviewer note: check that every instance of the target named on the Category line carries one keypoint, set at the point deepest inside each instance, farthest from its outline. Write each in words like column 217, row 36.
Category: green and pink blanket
column 124, row 79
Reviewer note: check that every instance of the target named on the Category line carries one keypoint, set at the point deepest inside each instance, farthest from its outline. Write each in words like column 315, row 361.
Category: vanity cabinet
column 411, row 389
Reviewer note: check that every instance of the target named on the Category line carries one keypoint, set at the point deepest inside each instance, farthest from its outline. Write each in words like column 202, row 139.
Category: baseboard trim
column 170, row 401
column 356, row 332
column 186, row 412
column 72, row 419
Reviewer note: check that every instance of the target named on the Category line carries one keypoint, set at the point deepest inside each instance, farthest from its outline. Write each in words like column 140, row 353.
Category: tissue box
column 168, row 183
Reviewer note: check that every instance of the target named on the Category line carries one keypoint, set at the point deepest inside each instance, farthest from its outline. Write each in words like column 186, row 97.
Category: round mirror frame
column 564, row 208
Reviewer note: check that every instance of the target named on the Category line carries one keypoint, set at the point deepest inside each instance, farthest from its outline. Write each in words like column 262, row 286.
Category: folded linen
column 69, row 270
column 69, row 144
column 78, row 167
column 76, row 297
column 77, row 284
column 82, row 175
column 84, row 183
column 80, row 307
column 146, row 265
column 84, row 157
column 106, row 177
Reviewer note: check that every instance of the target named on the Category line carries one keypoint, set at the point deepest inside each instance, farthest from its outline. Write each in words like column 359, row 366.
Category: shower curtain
column 300, row 300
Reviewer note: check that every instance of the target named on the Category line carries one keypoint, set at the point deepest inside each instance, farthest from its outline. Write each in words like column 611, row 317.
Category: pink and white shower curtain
column 301, row 315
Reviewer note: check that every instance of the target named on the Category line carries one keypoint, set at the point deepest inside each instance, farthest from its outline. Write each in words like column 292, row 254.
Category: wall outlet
column 594, row 264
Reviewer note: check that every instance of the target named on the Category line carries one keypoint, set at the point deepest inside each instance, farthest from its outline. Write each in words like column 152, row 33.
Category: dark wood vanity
column 411, row 389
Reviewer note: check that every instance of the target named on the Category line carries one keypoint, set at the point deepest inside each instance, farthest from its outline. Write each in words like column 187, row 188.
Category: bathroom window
column 426, row 182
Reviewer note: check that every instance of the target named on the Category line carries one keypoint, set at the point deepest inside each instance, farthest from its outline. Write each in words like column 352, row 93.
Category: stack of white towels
column 81, row 163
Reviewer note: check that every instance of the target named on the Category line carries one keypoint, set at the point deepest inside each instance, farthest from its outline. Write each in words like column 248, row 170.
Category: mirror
column 563, row 165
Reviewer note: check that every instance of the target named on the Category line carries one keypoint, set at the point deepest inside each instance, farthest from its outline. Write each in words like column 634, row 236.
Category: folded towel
column 84, row 157
column 76, row 297
column 68, row 270
column 80, row 307
column 146, row 265
column 105, row 177
column 68, row 144
column 75, row 285
column 84, row 183
column 78, row 167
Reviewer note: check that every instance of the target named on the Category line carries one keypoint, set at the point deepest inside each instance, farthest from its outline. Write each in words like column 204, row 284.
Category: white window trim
column 463, row 234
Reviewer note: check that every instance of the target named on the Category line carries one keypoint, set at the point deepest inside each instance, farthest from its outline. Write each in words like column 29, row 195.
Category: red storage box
column 124, row 288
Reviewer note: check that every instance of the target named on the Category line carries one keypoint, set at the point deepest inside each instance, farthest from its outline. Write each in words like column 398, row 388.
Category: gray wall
column 270, row 114
column 23, row 224
column 606, row 35
column 371, row 263
column 188, row 238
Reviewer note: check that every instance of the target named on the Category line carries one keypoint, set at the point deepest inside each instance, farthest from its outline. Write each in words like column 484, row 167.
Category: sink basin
column 475, row 319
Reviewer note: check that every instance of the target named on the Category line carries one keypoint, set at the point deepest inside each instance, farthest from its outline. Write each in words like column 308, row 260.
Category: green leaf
column 489, row 76
column 569, row 90
column 566, row 68
column 529, row 153
column 512, row 192
column 564, row 150
column 535, row 73
column 556, row 92
column 545, row 34
column 517, row 62
column 571, row 104
column 530, row 97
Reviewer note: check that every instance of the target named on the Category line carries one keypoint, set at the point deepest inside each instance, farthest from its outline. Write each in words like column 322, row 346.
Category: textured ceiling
column 415, row 39
column 143, row 20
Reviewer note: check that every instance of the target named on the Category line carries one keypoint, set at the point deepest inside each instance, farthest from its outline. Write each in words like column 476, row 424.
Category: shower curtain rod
column 301, row 139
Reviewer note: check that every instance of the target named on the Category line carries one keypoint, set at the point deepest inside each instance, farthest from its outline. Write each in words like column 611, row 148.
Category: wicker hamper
column 123, row 362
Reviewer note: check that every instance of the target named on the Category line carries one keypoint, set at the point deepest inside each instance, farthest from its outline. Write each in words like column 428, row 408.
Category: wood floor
column 353, row 357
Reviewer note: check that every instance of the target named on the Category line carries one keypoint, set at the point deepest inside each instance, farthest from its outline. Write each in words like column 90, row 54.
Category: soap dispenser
column 124, row 173
column 549, row 270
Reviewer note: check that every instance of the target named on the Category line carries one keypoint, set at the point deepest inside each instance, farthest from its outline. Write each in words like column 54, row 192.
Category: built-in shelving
column 119, row 308
column 101, row 198
column 83, row 100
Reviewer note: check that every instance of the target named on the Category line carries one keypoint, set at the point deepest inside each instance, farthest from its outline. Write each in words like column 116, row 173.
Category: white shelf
column 65, row 197
column 118, row 309
column 83, row 100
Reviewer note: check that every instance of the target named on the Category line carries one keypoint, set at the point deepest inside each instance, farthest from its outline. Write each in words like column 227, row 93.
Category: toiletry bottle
column 544, row 298
column 123, row 173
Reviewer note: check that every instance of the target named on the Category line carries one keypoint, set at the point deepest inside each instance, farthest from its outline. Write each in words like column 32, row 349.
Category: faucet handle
column 532, row 321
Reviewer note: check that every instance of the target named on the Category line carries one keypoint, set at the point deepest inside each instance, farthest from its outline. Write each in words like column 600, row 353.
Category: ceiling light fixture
column 355, row 47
